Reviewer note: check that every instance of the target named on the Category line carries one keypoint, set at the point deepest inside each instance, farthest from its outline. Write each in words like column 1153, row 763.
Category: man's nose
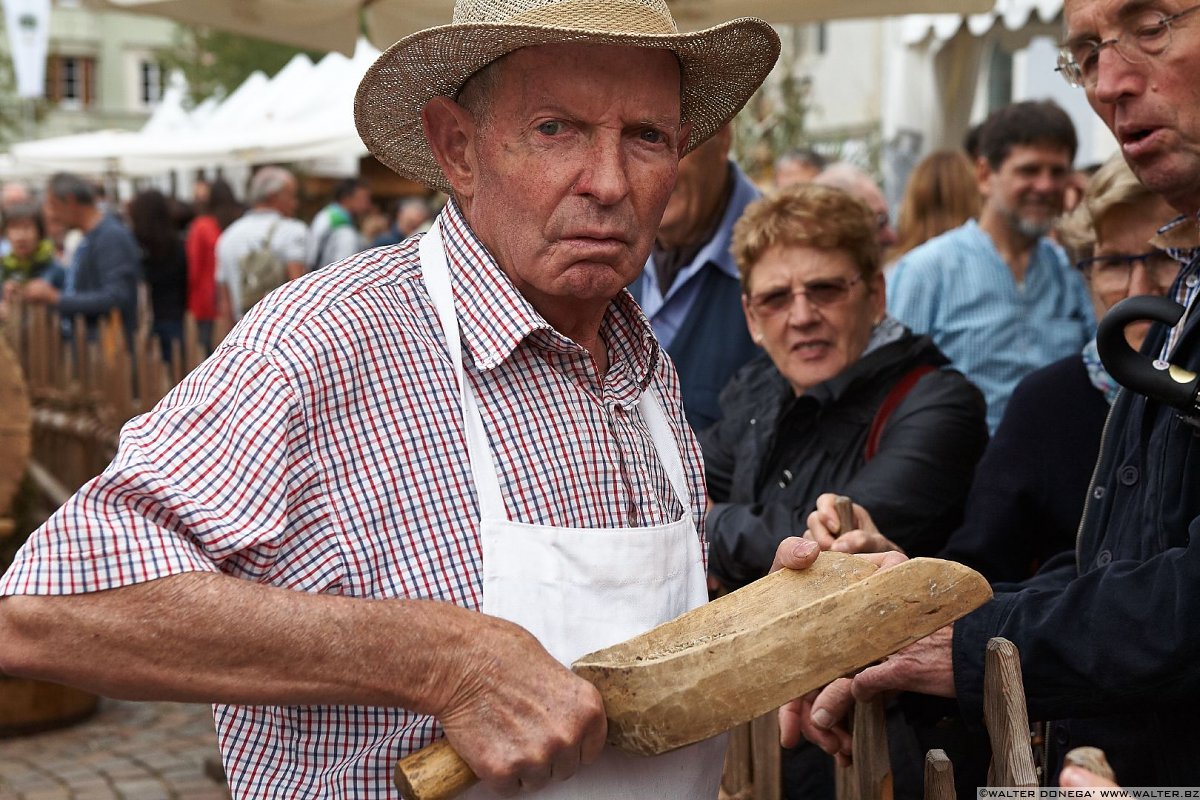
column 605, row 175
column 1116, row 76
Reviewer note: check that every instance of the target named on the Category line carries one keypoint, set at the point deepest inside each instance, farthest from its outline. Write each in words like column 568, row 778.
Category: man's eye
column 1149, row 27
column 1086, row 54
column 653, row 137
column 550, row 128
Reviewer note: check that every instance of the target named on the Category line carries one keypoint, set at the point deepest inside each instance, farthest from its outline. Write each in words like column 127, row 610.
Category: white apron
column 581, row 589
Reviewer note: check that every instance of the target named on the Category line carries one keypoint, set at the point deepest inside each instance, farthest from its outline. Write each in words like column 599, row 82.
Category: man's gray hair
column 66, row 184
column 268, row 182
column 846, row 177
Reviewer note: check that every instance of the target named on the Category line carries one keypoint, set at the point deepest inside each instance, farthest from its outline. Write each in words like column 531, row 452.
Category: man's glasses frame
column 1146, row 35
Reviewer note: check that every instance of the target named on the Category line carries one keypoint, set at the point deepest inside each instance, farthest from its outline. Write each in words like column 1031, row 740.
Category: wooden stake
column 1006, row 717
column 939, row 776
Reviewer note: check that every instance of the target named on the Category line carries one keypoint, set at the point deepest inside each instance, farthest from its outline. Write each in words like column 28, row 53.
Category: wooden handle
column 435, row 772
column 845, row 511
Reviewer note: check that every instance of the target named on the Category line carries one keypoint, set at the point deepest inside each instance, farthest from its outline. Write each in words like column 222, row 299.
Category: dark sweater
column 1029, row 487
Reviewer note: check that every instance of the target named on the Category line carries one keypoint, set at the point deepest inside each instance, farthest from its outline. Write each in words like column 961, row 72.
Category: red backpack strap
column 893, row 399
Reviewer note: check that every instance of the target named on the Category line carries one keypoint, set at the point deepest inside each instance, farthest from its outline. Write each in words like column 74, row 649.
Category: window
column 150, row 86
column 70, row 81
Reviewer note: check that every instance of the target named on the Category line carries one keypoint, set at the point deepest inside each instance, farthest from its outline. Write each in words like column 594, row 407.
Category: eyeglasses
column 1110, row 273
column 1146, row 34
column 821, row 293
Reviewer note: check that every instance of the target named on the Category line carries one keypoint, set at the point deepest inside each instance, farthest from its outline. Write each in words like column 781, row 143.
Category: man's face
column 699, row 189
column 63, row 211
column 410, row 218
column 1153, row 108
column 359, row 201
column 1028, row 188
column 286, row 200
column 572, row 166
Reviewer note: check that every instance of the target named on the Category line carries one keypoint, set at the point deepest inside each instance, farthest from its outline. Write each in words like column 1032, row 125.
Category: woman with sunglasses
column 1029, row 490
column 844, row 399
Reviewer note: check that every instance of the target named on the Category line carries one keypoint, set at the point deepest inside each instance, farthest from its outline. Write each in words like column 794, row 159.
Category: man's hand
column 794, row 553
column 924, row 666
column 825, row 529
column 39, row 291
column 519, row 718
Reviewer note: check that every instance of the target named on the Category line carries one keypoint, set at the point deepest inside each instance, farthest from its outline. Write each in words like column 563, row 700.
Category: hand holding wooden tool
column 745, row 654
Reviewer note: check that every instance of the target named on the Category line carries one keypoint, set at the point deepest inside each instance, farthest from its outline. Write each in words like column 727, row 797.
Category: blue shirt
column 666, row 314
column 957, row 289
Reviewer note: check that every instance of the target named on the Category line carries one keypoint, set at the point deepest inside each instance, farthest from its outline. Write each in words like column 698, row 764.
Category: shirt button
column 1098, row 492
column 1128, row 475
column 1104, row 559
column 1191, row 280
column 786, row 479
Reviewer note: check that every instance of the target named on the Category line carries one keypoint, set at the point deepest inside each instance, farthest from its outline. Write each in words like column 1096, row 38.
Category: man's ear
column 983, row 176
column 450, row 132
column 685, row 133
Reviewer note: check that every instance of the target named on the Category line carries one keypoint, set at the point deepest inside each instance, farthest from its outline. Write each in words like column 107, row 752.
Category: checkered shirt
column 1187, row 284
column 321, row 449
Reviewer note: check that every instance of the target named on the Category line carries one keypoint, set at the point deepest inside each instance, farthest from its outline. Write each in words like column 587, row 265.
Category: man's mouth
column 1138, row 140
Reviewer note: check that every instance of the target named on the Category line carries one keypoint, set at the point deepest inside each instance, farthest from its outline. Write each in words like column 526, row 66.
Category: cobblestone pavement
column 127, row 751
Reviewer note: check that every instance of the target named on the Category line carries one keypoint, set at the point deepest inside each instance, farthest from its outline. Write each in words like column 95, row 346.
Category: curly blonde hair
column 1112, row 185
column 806, row 215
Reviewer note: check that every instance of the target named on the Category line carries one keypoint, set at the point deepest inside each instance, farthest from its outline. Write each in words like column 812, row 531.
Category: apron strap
column 665, row 444
column 436, row 273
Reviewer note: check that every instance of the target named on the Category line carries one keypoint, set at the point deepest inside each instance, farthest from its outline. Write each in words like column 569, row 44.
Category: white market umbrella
column 334, row 24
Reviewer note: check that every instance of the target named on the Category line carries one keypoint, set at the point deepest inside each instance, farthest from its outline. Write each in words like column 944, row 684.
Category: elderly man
column 410, row 486
column 1109, row 636
column 690, row 289
column 106, row 266
column 850, row 178
column 262, row 249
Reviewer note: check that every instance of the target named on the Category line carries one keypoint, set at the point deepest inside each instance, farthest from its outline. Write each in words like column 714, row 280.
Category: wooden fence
column 752, row 762
column 84, row 387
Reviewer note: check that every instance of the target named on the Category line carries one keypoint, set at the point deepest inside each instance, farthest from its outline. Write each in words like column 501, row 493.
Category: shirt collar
column 495, row 318
column 718, row 250
column 1179, row 239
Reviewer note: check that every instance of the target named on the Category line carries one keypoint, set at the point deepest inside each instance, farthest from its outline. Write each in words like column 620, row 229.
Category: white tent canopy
column 335, row 24
column 304, row 112
column 937, row 74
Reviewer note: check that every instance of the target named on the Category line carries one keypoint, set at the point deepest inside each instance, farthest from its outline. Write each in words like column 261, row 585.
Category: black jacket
column 773, row 453
column 1110, row 638
column 1028, row 492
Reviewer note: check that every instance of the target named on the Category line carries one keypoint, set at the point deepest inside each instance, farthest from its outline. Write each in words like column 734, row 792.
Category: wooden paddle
column 744, row 654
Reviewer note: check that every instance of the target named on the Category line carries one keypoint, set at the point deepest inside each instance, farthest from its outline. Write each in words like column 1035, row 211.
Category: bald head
column 854, row 181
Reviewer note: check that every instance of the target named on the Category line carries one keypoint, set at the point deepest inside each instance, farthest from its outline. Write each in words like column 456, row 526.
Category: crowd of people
column 158, row 258
column 520, row 461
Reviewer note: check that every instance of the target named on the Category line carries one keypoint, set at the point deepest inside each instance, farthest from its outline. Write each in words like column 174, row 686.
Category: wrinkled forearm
column 203, row 637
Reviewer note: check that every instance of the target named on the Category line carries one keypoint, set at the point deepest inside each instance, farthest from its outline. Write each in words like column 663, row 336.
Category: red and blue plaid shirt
column 321, row 448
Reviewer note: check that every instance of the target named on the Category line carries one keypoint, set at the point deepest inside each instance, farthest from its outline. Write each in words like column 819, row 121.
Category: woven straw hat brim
column 721, row 67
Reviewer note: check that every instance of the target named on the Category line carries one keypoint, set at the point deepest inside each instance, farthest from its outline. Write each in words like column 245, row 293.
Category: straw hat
column 721, row 66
